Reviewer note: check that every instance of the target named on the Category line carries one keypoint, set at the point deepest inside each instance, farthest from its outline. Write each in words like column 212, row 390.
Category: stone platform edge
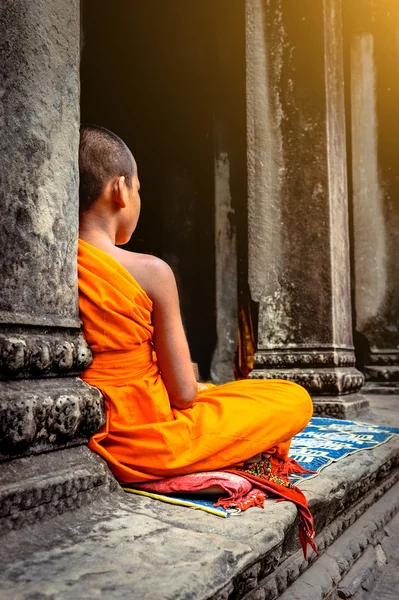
column 116, row 544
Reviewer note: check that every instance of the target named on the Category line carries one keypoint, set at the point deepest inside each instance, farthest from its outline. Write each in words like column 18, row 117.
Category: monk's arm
column 170, row 339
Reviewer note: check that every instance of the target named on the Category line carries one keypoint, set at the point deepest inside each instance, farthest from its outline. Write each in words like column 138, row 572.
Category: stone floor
column 123, row 546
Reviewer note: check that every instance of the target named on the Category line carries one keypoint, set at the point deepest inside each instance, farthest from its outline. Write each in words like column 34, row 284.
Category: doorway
column 150, row 72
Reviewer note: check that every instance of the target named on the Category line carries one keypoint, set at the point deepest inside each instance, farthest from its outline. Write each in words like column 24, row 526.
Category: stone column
column 297, row 194
column 228, row 138
column 374, row 65
column 43, row 406
column 226, row 267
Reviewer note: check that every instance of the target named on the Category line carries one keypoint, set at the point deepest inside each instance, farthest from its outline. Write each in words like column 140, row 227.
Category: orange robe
column 144, row 437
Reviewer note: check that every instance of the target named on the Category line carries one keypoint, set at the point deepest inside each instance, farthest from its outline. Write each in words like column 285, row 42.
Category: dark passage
column 147, row 73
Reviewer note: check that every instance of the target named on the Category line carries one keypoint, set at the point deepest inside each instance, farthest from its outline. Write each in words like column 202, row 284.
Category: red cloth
column 247, row 485
column 233, row 484
column 271, row 476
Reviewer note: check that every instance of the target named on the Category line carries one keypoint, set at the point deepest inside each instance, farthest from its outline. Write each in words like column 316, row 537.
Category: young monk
column 159, row 421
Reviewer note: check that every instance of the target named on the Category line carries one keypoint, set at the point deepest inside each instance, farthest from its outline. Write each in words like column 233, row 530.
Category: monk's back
column 115, row 309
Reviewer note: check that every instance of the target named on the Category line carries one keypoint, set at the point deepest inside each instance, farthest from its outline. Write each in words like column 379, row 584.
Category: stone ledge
column 383, row 374
column 322, row 579
column 121, row 545
column 378, row 388
column 44, row 486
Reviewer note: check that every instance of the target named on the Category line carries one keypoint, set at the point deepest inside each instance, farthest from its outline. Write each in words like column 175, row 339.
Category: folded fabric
column 233, row 484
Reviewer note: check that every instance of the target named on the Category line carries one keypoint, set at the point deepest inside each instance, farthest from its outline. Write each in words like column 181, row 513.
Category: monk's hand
column 202, row 386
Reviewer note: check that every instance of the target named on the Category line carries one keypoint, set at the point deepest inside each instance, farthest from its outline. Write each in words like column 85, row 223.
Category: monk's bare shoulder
column 152, row 273
column 170, row 343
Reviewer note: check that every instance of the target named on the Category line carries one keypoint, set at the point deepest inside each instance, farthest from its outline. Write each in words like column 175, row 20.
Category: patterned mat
column 325, row 441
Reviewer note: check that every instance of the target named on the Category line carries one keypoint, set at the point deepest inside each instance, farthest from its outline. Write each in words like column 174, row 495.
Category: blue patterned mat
column 325, row 441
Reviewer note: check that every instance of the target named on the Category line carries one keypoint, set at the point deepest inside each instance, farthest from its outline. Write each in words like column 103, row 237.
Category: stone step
column 339, row 572
column 122, row 546
column 385, row 584
column 363, row 573
column 43, row 486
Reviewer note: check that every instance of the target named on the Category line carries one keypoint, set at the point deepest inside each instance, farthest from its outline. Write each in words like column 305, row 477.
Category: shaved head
column 102, row 156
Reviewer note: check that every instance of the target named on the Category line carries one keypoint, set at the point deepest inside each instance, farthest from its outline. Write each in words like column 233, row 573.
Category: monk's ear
column 118, row 187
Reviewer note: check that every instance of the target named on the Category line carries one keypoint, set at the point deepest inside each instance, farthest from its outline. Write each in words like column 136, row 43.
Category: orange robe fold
column 144, row 438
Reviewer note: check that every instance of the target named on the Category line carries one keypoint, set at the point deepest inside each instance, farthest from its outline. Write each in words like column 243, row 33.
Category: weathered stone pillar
column 43, row 406
column 375, row 177
column 228, row 137
column 298, row 214
column 226, row 268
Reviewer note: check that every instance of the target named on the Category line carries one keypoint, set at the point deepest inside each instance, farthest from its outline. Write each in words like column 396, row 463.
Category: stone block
column 352, row 406
column 46, row 352
column 363, row 570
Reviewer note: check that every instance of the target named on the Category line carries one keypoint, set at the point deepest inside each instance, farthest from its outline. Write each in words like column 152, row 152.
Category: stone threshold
column 122, row 546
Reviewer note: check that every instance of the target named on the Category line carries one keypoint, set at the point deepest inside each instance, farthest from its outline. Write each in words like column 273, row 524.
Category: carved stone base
column 340, row 407
column 383, row 374
column 38, row 415
column 322, row 381
column 305, row 357
column 42, row 352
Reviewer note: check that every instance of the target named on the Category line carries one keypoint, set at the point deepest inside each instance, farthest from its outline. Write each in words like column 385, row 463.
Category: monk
column 159, row 421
